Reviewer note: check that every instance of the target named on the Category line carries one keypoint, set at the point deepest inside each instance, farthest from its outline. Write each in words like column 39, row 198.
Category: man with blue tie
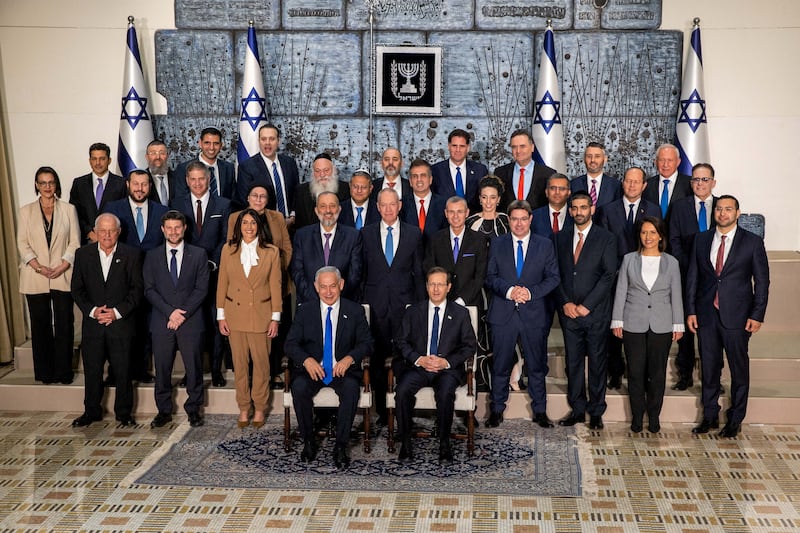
column 359, row 210
column 601, row 187
column 668, row 185
column 522, row 272
column 458, row 176
column 91, row 192
column 223, row 173
column 176, row 284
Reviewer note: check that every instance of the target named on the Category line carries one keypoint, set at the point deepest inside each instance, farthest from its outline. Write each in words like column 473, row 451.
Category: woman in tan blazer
column 47, row 237
column 249, row 309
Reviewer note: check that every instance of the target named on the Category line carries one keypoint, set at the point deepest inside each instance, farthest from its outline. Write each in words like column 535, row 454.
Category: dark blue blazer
column 308, row 257
column 469, row 272
column 536, row 195
column 305, row 204
column 172, row 187
column 81, row 195
column 743, row 283
column 370, row 216
column 434, row 215
column 542, row 224
column 472, row 174
column 254, row 171
column 377, row 186
column 188, row 295
column 539, row 276
column 683, row 226
column 614, row 216
column 226, row 180
column 153, row 236
column 683, row 188
column 610, row 188
column 215, row 224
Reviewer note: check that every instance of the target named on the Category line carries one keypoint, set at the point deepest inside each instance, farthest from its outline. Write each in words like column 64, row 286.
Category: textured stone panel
column 391, row 38
column 523, row 14
column 632, row 15
column 227, row 14
column 194, row 71
column 586, row 15
column 181, row 133
column 412, row 15
column 324, row 15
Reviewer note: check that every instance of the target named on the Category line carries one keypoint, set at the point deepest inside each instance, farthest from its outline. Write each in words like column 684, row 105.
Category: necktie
column 702, row 218
column 593, row 192
column 421, row 215
column 434, row 348
column 579, row 247
column 139, row 224
column 520, row 259
column 326, row 250
column 555, row 221
column 392, row 184
column 665, row 199
column 162, row 190
column 199, row 217
column 327, row 349
column 718, row 267
column 173, row 267
column 629, row 222
column 359, row 218
column 459, row 183
column 213, row 186
column 98, row 194
column 279, row 199
column 455, row 249
column 389, row 250
column 521, row 186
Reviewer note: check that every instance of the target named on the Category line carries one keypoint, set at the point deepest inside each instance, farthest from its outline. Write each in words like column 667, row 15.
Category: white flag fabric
column 691, row 130
column 135, row 126
column 548, row 132
column 254, row 108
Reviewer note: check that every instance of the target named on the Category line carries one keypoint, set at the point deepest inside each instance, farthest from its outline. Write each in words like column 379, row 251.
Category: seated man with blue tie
column 326, row 344
column 435, row 359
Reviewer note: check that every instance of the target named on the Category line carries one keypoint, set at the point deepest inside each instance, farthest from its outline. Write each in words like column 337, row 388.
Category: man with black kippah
column 324, row 178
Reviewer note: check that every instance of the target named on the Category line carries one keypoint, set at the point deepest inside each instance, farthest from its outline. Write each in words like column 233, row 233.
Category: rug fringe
column 586, row 461
column 166, row 445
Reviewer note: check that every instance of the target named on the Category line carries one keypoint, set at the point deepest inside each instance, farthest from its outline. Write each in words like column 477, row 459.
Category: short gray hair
column 328, row 270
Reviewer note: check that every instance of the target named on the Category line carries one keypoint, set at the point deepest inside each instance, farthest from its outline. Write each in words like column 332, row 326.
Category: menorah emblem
column 408, row 71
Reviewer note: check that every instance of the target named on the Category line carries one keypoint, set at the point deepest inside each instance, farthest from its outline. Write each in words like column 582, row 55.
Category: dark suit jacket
column 188, row 295
column 226, row 180
column 610, row 188
column 536, row 196
column 304, row 204
column 405, row 193
column 370, row 216
column 434, row 215
column 542, row 223
column 539, row 276
column 308, row 257
column 306, row 338
column 122, row 289
column 614, row 216
column 82, row 197
column 215, row 224
column 589, row 281
column 683, row 227
column 254, row 171
column 683, row 188
column 153, row 236
column 468, row 273
column 743, row 283
column 472, row 174
column 172, row 187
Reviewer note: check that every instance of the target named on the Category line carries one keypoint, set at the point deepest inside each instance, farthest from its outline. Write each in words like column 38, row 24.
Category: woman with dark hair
column 489, row 221
column 249, row 310
column 47, row 237
column 648, row 317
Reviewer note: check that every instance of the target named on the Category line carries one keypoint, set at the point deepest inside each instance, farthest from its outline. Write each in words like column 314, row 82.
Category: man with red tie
column 424, row 208
column 553, row 217
column 523, row 179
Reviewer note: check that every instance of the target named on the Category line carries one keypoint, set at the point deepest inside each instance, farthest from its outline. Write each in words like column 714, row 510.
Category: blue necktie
column 435, row 333
column 455, row 250
column 520, row 259
column 279, row 200
column 98, row 193
column 327, row 349
column 459, row 183
column 702, row 218
column 665, row 199
column 359, row 218
column 213, row 186
column 389, row 250
column 173, row 267
column 629, row 222
column 139, row 224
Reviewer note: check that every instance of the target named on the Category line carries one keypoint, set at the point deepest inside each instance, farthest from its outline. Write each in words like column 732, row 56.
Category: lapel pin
column 344, row 316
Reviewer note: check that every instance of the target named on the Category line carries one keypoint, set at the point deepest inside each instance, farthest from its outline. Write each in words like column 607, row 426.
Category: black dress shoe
column 572, row 418
column 705, row 426
column 653, row 425
column 615, row 382
column 195, row 420
column 636, row 426
column 147, row 377
column 730, row 430
column 596, row 422
column 66, row 381
column 84, row 420
column 161, row 420
column 109, row 381
column 542, row 420
column 217, row 379
column 406, row 451
column 340, row 458
column 182, row 381
column 445, row 453
column 309, row 452
column 494, row 420
column 126, row 421
column 683, row 383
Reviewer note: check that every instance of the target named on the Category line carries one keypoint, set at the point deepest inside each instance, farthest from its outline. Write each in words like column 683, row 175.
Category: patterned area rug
column 518, row 458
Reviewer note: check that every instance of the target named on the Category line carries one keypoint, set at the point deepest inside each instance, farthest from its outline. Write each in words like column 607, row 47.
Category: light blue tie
column 459, row 183
column 702, row 218
column 520, row 259
column 327, row 349
column 140, row 223
column 665, row 199
column 389, row 250
column 279, row 199
column 359, row 218
column 434, row 348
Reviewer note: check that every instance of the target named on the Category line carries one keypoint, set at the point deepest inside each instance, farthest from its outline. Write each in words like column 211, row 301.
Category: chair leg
column 390, row 429
column 287, row 428
column 470, row 433
column 367, row 444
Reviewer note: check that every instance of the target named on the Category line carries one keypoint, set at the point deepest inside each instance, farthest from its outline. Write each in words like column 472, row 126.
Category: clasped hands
column 105, row 315
column 520, row 295
column 432, row 363
column 316, row 372
column 575, row 311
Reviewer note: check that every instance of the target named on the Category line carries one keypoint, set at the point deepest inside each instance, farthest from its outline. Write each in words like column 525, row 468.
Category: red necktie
column 718, row 267
column 392, row 184
column 422, row 215
column 555, row 221
column 521, row 186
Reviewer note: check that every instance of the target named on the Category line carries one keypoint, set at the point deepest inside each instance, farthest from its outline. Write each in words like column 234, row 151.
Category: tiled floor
column 54, row 478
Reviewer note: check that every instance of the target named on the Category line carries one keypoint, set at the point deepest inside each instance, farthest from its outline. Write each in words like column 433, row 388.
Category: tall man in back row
column 457, row 175
column 523, row 179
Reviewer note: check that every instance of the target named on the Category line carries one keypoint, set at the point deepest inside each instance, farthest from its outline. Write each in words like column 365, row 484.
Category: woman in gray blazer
column 648, row 316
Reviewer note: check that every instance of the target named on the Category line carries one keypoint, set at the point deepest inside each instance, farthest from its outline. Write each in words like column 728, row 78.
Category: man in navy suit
column 276, row 172
column 458, row 176
column 326, row 243
column 90, row 193
column 523, row 180
column 176, row 284
column 391, row 164
column 324, row 178
column 107, row 287
column 324, row 358
column 423, row 208
column 587, row 262
column 668, row 186
column 163, row 180
column 392, row 278
column 522, row 271
column 223, row 174
column 690, row 216
column 359, row 210
column 435, row 340
column 727, row 289
column 602, row 188
column 553, row 217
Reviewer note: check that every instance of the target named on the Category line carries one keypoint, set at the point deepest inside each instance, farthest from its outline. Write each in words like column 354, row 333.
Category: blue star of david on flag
column 547, row 100
column 134, row 108
column 258, row 105
column 697, row 107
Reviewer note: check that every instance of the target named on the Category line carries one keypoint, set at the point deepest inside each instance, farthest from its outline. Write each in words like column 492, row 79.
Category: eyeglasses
column 704, row 180
column 258, row 196
column 519, row 219
column 555, row 188
column 437, row 285
column 359, row 187
column 46, row 183
column 160, row 153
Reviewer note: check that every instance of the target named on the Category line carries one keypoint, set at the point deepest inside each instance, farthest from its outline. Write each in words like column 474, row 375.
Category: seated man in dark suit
column 459, row 176
column 601, row 187
column 523, row 179
column 223, row 173
column 324, row 178
column 553, row 217
column 327, row 342
column 360, row 209
column 435, row 340
column 90, row 193
column 423, row 208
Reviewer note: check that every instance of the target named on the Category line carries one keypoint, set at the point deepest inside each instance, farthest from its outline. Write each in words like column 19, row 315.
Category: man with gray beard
column 324, row 178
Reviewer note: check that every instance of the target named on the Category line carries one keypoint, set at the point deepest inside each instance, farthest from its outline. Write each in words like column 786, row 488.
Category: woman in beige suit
column 249, row 310
column 47, row 237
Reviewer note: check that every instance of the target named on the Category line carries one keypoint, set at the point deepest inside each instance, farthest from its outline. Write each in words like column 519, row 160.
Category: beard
column 316, row 188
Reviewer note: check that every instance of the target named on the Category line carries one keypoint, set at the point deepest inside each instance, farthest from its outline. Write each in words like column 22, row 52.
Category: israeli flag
column 135, row 126
column 691, row 130
column 548, row 132
column 254, row 102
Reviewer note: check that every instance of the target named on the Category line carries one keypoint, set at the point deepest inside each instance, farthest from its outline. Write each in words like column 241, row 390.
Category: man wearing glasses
column 553, row 217
column 359, row 210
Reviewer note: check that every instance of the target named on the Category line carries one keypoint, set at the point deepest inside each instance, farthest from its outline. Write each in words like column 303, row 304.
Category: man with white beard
column 324, row 178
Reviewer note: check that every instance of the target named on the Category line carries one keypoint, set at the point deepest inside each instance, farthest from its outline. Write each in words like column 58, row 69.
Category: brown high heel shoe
column 243, row 423
column 258, row 423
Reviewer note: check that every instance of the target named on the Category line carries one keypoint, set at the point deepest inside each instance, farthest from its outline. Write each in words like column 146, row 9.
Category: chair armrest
column 365, row 363
column 285, row 365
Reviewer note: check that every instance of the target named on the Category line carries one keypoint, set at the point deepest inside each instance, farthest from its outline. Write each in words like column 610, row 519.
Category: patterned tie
column 455, row 250
column 139, row 224
column 702, row 218
column 389, row 249
column 173, row 267
column 665, row 199
column 359, row 218
column 279, row 199
column 521, row 186
column 579, row 247
column 327, row 349
column 434, row 348
column 162, row 190
column 718, row 267
column 593, row 192
column 555, row 221
column 98, row 194
column 421, row 215
column 199, row 217
column 520, row 259
column 629, row 222
column 213, row 186
column 459, row 183
column 326, row 250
